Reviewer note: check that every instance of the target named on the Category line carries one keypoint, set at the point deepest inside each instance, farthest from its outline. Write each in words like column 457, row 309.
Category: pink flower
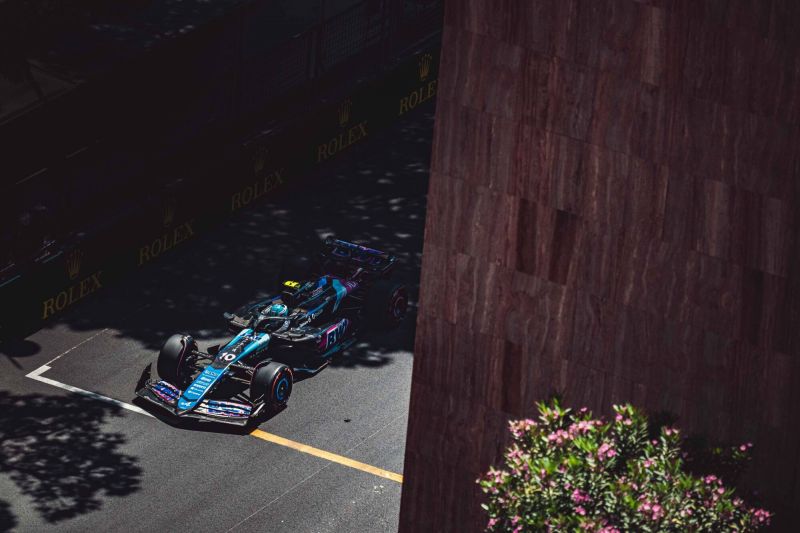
column 605, row 451
column 515, row 520
column 580, row 496
column 762, row 516
column 652, row 510
column 492, row 522
column 584, row 426
column 519, row 427
column 648, row 463
column 559, row 436
column 618, row 418
column 580, row 510
column 658, row 512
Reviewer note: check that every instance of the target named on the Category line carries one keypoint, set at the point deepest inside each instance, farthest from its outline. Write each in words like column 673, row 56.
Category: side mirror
column 213, row 350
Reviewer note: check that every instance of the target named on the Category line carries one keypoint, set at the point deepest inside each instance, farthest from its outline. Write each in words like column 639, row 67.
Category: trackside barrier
column 252, row 169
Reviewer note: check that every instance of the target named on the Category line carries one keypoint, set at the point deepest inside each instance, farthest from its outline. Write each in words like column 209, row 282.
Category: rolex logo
column 73, row 263
column 424, row 66
column 259, row 160
column 169, row 214
column 344, row 112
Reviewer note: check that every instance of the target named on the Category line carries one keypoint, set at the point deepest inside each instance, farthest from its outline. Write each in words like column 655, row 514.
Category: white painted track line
column 84, row 341
column 37, row 375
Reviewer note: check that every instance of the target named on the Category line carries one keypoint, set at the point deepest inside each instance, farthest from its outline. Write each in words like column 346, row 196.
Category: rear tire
column 272, row 384
column 172, row 362
column 386, row 304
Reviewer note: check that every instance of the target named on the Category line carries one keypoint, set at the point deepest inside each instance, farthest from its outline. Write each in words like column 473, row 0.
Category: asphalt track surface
column 73, row 462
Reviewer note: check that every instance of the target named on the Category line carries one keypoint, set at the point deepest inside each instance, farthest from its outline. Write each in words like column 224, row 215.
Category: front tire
column 172, row 363
column 271, row 384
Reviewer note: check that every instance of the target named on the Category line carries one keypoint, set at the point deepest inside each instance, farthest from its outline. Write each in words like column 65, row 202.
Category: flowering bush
column 569, row 472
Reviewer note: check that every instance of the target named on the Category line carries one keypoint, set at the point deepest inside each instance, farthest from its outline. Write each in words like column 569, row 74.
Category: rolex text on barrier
column 166, row 241
column 72, row 294
column 77, row 290
column 425, row 91
column 341, row 141
column 347, row 137
column 257, row 189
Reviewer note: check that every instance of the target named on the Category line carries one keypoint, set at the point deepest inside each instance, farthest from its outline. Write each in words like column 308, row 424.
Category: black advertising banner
column 209, row 187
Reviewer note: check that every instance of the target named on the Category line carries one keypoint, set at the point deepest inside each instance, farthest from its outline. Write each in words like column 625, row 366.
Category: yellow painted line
column 316, row 452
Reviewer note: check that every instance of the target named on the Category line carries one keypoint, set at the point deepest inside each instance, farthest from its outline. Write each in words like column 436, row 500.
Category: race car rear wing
column 356, row 256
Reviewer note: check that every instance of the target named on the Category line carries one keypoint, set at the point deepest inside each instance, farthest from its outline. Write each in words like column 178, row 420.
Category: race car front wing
column 165, row 395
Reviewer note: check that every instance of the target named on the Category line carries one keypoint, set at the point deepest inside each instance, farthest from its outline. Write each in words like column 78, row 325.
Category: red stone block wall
column 613, row 214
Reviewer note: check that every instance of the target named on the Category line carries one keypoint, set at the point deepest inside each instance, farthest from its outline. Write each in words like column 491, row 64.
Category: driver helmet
column 277, row 309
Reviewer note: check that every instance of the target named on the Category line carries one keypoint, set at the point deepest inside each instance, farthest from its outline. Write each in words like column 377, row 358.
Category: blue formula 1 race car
column 322, row 304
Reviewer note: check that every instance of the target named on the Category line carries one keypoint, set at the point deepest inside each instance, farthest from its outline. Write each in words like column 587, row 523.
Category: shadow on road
column 56, row 452
column 7, row 519
column 16, row 348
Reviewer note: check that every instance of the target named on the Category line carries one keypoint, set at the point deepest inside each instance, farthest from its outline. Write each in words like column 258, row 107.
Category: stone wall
column 612, row 215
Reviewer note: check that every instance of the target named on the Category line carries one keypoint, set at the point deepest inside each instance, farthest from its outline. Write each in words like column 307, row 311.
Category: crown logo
column 344, row 112
column 169, row 214
column 260, row 159
column 73, row 263
column 425, row 66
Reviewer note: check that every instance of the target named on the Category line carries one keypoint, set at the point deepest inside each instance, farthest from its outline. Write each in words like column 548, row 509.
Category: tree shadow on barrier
column 54, row 449
column 375, row 194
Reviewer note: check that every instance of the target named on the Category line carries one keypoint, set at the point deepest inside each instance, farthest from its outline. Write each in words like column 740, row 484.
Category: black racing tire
column 386, row 304
column 172, row 363
column 271, row 384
